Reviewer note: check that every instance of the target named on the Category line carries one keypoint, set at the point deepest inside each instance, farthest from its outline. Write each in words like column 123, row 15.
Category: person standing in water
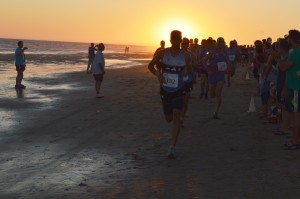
column 91, row 55
column 20, row 65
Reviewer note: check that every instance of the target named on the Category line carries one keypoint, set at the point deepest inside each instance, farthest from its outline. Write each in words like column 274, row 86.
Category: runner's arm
column 206, row 58
column 153, row 62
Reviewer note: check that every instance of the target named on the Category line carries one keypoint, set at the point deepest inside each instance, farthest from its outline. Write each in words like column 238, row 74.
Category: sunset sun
column 187, row 28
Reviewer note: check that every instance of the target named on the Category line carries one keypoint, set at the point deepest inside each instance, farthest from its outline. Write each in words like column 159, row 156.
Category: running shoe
column 99, row 95
column 215, row 116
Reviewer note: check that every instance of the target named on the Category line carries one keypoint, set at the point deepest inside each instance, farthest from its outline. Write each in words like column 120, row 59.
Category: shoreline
column 79, row 58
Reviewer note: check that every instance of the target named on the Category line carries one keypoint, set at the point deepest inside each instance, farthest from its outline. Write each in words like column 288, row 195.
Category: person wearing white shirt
column 98, row 69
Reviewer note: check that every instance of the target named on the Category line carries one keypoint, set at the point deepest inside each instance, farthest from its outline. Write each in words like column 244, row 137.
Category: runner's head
column 220, row 42
column 196, row 41
column 185, row 43
column 176, row 38
column 162, row 43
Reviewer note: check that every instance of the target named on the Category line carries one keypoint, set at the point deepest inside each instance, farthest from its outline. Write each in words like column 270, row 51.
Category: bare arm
column 189, row 64
column 206, row 58
column 285, row 65
column 153, row 62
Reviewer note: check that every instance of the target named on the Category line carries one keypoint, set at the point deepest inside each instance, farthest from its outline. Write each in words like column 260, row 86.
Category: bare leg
column 88, row 66
column 176, row 125
column 219, row 88
column 296, row 128
column 19, row 77
column 98, row 86
column 185, row 104
column 212, row 90
column 286, row 118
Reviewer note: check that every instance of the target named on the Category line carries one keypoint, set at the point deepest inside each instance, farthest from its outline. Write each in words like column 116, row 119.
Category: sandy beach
column 59, row 141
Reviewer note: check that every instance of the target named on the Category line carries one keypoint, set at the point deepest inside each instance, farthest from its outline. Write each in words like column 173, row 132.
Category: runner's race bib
column 222, row 66
column 231, row 58
column 185, row 78
column 171, row 80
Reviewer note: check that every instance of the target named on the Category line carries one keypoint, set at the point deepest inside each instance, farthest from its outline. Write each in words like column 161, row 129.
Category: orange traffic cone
column 252, row 105
column 247, row 76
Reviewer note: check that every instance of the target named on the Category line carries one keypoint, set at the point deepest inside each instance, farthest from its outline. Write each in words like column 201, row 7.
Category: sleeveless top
column 232, row 52
column 218, row 63
column 172, row 70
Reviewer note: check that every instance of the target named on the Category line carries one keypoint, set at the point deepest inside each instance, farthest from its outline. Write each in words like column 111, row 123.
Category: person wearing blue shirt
column 20, row 64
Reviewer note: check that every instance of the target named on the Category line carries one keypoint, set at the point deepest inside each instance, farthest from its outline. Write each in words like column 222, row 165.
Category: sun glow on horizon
column 187, row 28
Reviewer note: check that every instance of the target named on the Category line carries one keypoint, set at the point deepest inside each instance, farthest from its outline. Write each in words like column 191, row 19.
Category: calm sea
column 8, row 46
column 57, row 52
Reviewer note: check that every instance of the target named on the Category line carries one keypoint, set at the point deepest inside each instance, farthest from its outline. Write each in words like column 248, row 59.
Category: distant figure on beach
column 176, row 64
column 20, row 64
column 91, row 54
column 126, row 50
column 98, row 69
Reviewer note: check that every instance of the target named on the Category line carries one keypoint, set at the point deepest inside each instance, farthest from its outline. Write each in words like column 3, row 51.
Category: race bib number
column 171, row 80
column 185, row 78
column 231, row 58
column 222, row 66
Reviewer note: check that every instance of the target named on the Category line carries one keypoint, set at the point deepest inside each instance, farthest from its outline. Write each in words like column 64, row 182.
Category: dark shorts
column 188, row 87
column 292, row 101
column 280, row 85
column 214, row 79
column 98, row 77
column 204, row 72
column 20, row 67
column 91, row 60
column 172, row 100
column 265, row 92
column 255, row 73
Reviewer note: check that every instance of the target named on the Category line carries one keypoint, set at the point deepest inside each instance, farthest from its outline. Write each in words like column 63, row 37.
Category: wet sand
column 77, row 146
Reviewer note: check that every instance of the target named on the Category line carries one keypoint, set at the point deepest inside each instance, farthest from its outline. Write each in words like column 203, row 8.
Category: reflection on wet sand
column 20, row 93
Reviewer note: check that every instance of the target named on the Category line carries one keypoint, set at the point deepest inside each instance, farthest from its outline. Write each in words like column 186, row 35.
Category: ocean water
column 57, row 52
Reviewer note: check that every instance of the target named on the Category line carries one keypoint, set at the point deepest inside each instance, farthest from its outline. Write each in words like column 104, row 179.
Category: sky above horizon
column 146, row 22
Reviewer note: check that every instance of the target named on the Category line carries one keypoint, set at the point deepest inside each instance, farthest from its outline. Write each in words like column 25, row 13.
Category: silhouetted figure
column 98, row 69
column 91, row 55
column 20, row 64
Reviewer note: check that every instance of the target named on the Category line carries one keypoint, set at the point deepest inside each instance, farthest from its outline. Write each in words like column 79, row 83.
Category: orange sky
column 146, row 22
